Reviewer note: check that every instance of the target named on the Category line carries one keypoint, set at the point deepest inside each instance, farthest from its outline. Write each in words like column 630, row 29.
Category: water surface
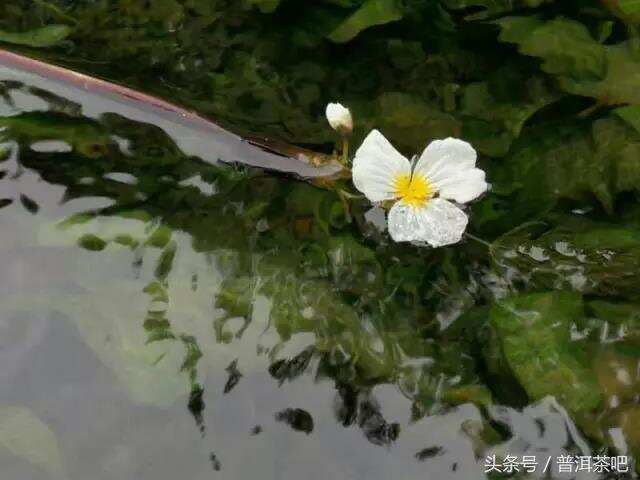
column 164, row 315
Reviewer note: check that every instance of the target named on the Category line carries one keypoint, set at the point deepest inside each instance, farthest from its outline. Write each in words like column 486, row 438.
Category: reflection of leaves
column 281, row 251
column 337, row 301
column 150, row 371
column 27, row 437
column 91, row 242
column 147, row 364
column 297, row 419
column 279, row 259
column 427, row 453
column 352, row 406
column 288, row 369
column 196, row 405
column 165, row 262
column 234, row 376
column 533, row 332
column 377, row 430
column 192, row 356
column 31, row 206
column 40, row 37
column 87, row 137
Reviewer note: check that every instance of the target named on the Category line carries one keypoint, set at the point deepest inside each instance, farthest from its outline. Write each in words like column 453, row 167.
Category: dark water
column 164, row 317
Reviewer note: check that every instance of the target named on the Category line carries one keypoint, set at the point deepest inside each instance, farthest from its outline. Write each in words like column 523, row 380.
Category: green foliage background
column 417, row 69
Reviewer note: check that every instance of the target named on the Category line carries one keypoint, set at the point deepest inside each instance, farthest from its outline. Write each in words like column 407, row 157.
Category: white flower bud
column 339, row 118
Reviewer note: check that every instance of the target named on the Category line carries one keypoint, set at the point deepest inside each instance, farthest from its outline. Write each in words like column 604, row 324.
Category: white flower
column 423, row 213
column 339, row 118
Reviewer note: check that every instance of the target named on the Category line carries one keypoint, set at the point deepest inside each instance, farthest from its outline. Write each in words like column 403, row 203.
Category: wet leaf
column 587, row 257
column 533, row 331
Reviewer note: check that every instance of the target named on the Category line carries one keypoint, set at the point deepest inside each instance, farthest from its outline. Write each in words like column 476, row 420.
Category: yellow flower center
column 414, row 190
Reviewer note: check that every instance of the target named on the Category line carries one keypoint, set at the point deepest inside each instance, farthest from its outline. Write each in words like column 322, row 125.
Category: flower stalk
column 345, row 151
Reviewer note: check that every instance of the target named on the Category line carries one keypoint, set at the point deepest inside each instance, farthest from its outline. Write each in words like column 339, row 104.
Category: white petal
column 450, row 165
column 463, row 186
column 439, row 223
column 447, row 154
column 376, row 167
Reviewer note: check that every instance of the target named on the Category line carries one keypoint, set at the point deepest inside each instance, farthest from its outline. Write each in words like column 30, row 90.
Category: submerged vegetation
column 541, row 300
column 415, row 69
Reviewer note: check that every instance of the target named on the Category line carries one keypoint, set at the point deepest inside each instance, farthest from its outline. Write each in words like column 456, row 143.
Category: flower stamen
column 414, row 190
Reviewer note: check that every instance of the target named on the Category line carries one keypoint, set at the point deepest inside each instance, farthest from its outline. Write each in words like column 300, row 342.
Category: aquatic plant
column 545, row 91
column 423, row 213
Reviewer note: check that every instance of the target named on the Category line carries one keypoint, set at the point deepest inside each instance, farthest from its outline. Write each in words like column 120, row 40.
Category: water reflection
column 246, row 298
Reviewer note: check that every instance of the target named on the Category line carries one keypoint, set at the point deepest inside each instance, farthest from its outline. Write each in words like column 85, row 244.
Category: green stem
column 479, row 240
column 345, row 151
column 345, row 203
column 592, row 109
column 350, row 195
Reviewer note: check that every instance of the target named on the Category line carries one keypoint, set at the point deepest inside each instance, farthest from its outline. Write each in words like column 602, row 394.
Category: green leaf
column 630, row 114
column 534, row 335
column 629, row 7
column 411, row 122
column 565, row 46
column 620, row 84
column 371, row 13
column 27, row 437
column 582, row 65
column 40, row 37
column 492, row 7
column 490, row 121
column 578, row 254
column 265, row 6
column 569, row 161
column 621, row 319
